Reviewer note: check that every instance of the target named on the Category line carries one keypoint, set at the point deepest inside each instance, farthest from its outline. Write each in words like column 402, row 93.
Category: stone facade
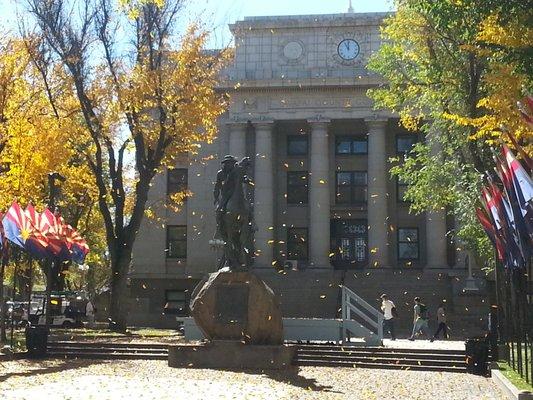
column 298, row 77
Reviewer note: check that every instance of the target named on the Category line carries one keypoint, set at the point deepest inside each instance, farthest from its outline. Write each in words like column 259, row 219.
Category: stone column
column 377, row 199
column 319, row 196
column 264, row 194
column 436, row 245
column 237, row 139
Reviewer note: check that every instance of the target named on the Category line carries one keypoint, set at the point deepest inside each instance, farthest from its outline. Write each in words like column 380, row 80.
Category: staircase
column 380, row 357
column 108, row 351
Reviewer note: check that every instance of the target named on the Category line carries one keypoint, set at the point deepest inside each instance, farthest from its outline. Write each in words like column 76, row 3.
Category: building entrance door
column 349, row 240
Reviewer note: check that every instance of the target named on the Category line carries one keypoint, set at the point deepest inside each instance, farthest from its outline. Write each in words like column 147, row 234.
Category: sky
column 219, row 13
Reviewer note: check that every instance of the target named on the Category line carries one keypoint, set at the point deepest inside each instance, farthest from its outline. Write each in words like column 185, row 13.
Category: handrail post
column 380, row 327
column 343, row 314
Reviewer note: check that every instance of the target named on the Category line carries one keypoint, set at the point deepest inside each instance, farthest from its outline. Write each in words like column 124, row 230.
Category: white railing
column 353, row 305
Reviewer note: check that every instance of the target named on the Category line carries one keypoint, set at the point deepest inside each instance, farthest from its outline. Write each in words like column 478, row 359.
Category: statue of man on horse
column 234, row 215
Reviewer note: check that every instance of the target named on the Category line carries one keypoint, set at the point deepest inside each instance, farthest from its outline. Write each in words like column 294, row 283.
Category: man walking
column 420, row 320
column 389, row 311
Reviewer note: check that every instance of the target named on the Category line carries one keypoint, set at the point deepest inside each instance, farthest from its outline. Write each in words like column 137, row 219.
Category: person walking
column 89, row 313
column 441, row 321
column 420, row 320
column 389, row 313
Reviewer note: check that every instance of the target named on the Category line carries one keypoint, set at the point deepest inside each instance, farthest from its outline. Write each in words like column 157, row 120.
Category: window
column 297, row 145
column 176, row 302
column 404, row 143
column 350, row 145
column 297, row 187
column 408, row 248
column 297, row 244
column 401, row 188
column 351, row 187
column 176, row 180
column 176, row 241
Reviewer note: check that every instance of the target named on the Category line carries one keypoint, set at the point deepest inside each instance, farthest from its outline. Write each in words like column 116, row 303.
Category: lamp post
column 53, row 188
column 470, row 284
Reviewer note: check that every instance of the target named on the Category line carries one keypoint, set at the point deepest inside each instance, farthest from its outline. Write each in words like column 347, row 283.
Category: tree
column 139, row 90
column 36, row 131
column 442, row 66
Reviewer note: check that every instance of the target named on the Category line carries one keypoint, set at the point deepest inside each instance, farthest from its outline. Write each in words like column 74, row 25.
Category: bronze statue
column 234, row 213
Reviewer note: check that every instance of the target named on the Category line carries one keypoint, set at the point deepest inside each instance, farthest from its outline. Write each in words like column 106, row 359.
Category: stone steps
column 380, row 357
column 109, row 350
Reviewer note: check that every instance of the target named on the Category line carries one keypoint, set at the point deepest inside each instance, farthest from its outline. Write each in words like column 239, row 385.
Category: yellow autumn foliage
column 36, row 142
column 504, row 82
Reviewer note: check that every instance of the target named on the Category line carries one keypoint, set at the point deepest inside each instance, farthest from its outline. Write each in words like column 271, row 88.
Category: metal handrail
column 360, row 300
column 372, row 323
column 348, row 306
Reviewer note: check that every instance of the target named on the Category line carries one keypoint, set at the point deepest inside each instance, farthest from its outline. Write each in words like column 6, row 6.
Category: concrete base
column 508, row 388
column 231, row 355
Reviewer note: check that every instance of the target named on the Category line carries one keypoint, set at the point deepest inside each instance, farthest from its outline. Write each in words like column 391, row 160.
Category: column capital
column 234, row 125
column 263, row 124
column 376, row 123
column 318, row 120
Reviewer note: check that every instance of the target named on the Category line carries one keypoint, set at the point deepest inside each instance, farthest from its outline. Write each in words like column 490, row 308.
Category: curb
column 508, row 388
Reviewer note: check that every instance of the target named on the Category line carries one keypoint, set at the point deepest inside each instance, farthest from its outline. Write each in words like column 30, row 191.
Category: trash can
column 36, row 340
column 477, row 355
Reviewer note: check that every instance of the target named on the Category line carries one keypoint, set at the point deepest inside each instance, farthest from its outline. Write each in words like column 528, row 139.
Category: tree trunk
column 119, row 307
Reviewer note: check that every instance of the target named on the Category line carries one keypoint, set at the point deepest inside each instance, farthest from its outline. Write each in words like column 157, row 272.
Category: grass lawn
column 138, row 332
column 514, row 377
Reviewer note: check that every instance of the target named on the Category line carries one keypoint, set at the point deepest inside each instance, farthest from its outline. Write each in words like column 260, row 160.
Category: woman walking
column 441, row 320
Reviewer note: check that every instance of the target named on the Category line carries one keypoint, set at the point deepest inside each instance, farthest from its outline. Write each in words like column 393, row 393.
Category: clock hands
column 348, row 49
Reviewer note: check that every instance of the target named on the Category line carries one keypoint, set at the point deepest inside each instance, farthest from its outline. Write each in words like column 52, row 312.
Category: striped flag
column 523, row 187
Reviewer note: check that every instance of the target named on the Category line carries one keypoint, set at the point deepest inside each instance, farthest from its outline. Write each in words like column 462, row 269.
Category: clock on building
column 348, row 49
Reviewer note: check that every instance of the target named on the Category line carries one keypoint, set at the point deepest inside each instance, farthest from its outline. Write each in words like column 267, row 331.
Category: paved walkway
column 425, row 344
column 131, row 380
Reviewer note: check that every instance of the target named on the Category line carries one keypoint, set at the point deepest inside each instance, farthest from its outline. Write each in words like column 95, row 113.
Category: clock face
column 293, row 50
column 348, row 49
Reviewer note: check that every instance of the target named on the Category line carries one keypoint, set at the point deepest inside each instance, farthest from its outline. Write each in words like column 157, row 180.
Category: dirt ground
column 92, row 379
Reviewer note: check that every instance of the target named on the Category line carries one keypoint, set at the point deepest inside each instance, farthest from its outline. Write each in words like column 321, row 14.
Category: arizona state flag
column 55, row 236
column 77, row 245
column 19, row 231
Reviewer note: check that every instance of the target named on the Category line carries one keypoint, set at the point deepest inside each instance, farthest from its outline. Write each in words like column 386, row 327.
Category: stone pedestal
column 237, row 306
column 231, row 355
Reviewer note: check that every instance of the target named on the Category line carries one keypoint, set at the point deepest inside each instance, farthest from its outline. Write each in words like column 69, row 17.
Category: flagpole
column 4, row 261
column 13, row 307
column 30, row 287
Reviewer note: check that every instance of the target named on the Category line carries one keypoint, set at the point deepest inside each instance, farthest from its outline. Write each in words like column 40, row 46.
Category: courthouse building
column 325, row 205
